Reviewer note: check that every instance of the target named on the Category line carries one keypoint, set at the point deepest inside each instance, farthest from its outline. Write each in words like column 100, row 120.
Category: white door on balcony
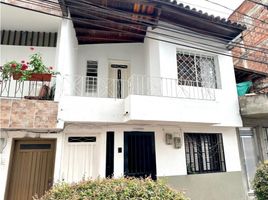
column 118, row 79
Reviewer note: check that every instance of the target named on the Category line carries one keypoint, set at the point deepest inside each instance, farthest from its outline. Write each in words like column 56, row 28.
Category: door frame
column 11, row 156
column 153, row 148
column 112, row 76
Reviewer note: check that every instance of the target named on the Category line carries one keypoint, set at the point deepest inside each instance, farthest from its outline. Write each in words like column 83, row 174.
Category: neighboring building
column 254, row 106
column 141, row 93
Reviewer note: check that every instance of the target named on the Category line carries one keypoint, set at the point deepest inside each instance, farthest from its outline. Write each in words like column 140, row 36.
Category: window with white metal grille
column 92, row 76
column 196, row 70
column 204, row 153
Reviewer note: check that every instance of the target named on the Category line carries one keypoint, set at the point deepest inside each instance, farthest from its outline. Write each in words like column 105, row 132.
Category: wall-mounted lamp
column 177, row 142
column 168, row 138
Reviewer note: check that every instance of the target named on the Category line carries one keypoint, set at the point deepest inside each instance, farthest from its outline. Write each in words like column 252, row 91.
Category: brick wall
column 24, row 114
column 255, row 35
column 51, row 7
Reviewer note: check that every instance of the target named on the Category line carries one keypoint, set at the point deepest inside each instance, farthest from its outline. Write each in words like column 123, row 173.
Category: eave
column 127, row 21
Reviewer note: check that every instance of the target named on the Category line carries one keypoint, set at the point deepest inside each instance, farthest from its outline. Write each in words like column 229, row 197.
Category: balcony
column 254, row 106
column 27, row 105
column 87, row 86
column 91, row 99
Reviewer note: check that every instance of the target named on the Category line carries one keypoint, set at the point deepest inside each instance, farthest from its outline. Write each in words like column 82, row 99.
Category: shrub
column 113, row 189
column 260, row 182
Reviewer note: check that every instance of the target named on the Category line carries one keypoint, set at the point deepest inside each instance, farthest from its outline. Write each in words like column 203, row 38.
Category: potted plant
column 34, row 70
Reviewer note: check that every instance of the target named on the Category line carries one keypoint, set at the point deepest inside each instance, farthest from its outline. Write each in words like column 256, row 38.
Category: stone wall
column 28, row 114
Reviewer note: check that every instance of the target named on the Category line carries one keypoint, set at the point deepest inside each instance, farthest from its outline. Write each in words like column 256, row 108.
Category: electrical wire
column 161, row 26
column 34, row 10
column 184, row 31
column 191, row 46
column 184, row 45
column 109, row 12
column 184, row 39
column 41, row 4
column 192, row 41
column 147, row 22
column 241, row 22
column 218, row 4
column 254, row 27
column 259, row 3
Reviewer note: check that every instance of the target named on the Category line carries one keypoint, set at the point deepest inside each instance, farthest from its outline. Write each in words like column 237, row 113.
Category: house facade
column 141, row 92
column 253, row 106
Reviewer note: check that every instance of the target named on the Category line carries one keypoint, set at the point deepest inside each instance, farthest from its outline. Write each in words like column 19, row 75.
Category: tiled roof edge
column 204, row 15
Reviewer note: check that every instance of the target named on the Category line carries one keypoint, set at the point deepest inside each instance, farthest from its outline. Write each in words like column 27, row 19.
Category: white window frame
column 91, row 82
column 217, row 82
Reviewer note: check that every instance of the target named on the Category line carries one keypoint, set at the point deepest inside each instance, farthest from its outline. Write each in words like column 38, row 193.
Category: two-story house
column 146, row 88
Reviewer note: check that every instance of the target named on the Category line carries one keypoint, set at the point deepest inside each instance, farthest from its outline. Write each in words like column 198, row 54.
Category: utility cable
column 109, row 12
column 220, row 53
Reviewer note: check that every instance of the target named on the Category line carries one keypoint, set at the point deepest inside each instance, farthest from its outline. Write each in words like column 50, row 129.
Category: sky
column 210, row 8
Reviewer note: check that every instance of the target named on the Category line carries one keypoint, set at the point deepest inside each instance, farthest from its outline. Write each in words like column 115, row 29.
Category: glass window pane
column 249, row 155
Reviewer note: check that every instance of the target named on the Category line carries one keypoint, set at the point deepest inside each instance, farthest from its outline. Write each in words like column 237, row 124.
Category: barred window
column 204, row 153
column 92, row 75
column 196, row 70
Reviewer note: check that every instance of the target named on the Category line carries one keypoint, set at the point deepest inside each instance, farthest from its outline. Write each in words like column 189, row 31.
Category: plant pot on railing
column 34, row 70
column 34, row 77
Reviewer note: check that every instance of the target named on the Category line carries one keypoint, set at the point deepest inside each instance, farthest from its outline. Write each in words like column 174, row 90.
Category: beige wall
column 214, row 186
column 21, row 114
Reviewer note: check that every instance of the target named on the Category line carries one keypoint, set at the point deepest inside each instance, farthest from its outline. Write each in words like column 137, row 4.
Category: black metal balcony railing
column 41, row 90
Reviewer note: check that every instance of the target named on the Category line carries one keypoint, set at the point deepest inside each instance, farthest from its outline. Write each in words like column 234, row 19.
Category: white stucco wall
column 86, row 109
column 19, row 53
column 66, row 54
column 104, row 53
column 15, row 18
column 171, row 161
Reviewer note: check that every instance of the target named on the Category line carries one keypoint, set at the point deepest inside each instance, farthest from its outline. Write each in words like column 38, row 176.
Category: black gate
column 139, row 154
column 109, row 154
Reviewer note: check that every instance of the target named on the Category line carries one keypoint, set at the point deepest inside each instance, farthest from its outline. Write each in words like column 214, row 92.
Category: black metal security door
column 110, row 154
column 139, row 154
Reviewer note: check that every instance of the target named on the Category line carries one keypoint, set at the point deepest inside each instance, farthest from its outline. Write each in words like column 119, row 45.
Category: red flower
column 50, row 68
column 14, row 65
column 22, row 61
column 24, row 67
column 31, row 48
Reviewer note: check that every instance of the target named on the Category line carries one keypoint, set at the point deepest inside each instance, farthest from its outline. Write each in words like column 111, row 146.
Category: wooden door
column 32, row 169
column 139, row 154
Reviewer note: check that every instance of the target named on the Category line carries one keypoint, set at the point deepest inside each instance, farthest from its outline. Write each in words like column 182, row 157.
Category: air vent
column 82, row 139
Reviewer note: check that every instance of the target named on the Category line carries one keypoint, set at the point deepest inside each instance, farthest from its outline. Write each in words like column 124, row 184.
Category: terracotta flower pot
column 34, row 77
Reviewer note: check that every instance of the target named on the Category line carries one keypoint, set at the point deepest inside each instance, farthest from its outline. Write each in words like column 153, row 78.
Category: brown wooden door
column 32, row 169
